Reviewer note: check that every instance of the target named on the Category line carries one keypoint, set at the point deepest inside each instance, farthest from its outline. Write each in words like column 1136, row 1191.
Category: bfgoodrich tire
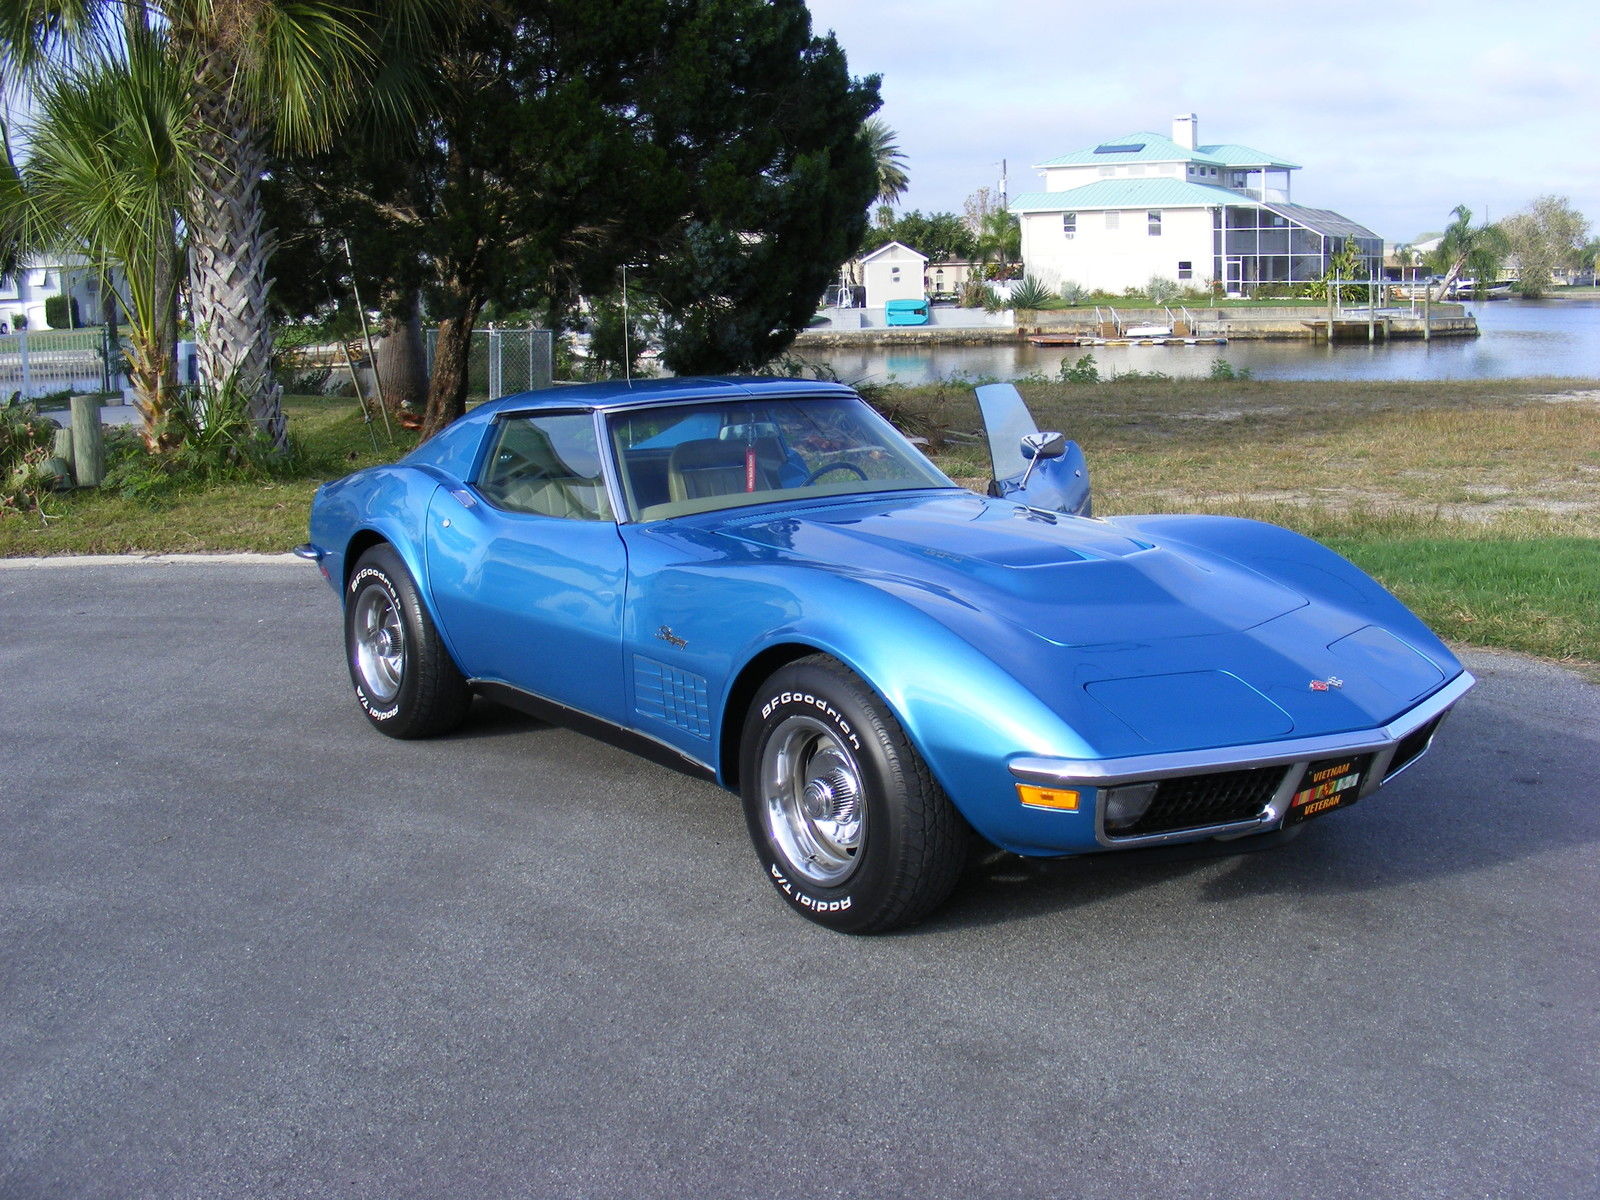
column 848, row 822
column 405, row 680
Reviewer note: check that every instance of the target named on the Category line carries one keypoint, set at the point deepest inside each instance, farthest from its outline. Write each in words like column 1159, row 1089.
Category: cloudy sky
column 1396, row 112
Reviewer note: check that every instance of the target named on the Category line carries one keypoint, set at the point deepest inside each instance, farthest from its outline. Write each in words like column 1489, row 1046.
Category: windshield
column 693, row 458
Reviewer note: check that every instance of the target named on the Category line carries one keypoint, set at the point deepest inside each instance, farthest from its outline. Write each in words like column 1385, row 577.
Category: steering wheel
column 841, row 465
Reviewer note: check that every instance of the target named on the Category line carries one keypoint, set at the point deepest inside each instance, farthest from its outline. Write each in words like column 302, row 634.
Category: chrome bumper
column 1293, row 755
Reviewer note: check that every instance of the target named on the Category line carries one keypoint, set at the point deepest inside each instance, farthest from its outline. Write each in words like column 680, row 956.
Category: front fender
column 708, row 619
column 388, row 503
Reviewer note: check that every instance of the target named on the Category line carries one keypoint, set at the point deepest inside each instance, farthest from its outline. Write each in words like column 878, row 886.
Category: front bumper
column 1392, row 747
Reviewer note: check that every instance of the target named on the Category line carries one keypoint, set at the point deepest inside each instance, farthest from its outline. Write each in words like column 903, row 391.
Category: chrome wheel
column 380, row 643
column 813, row 801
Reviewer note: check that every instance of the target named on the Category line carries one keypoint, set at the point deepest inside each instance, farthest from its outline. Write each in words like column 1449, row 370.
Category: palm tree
column 887, row 157
column 1482, row 248
column 14, row 231
column 999, row 238
column 111, row 163
column 260, row 72
column 1405, row 256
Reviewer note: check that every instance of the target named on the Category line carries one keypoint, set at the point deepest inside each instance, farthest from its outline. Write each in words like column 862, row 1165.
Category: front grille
column 1195, row 801
column 1413, row 744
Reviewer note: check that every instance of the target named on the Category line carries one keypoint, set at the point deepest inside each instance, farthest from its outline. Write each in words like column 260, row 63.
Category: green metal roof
column 1231, row 154
column 1130, row 148
column 1153, row 147
column 1130, row 193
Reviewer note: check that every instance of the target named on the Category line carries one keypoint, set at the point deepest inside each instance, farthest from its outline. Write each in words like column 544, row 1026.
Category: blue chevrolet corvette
column 764, row 583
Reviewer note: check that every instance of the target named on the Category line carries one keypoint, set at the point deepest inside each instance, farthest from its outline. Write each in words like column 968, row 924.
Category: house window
column 1113, row 220
column 1153, row 223
column 1136, row 169
column 1108, row 171
column 1185, row 269
column 1069, row 224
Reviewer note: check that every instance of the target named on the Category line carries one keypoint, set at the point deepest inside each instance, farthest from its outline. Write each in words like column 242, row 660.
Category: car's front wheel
column 405, row 679
column 850, row 825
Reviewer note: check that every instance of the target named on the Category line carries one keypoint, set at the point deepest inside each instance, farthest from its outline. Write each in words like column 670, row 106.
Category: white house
column 24, row 292
column 1114, row 215
column 950, row 275
column 892, row 272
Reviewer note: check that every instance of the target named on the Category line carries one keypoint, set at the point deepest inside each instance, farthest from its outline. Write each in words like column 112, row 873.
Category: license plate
column 1333, row 783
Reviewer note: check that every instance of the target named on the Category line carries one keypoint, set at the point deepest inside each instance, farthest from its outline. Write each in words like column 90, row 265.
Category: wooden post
column 88, row 442
column 61, row 451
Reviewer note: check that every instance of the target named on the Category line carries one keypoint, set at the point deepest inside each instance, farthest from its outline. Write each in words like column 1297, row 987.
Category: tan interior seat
column 715, row 467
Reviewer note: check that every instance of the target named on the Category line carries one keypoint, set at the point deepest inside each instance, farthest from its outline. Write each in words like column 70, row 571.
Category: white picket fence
column 39, row 363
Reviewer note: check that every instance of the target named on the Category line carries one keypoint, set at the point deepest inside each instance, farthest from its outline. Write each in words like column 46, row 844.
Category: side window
column 549, row 466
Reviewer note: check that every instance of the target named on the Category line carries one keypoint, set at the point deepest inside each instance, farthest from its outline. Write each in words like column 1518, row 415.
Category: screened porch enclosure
column 1284, row 244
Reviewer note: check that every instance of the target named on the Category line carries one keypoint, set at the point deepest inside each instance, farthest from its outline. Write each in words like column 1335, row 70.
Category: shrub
column 25, row 441
column 975, row 293
column 1221, row 368
column 1082, row 371
column 61, row 312
column 1074, row 293
column 1030, row 293
column 992, row 301
column 1161, row 290
column 213, row 439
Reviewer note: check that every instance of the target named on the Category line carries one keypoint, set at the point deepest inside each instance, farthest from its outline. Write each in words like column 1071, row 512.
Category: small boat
column 1468, row 289
column 1139, row 331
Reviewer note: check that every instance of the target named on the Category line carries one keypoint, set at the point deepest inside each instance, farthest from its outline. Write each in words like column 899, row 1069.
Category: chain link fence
column 501, row 362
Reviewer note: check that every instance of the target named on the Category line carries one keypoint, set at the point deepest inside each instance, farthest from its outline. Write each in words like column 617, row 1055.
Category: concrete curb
column 151, row 560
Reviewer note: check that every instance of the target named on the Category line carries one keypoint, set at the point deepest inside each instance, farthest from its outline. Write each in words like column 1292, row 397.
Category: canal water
column 1519, row 338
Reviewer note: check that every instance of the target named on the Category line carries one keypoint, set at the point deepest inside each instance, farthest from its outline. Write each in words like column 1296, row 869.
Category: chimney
column 1185, row 130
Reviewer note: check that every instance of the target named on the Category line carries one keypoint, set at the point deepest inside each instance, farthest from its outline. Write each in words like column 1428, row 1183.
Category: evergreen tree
column 713, row 145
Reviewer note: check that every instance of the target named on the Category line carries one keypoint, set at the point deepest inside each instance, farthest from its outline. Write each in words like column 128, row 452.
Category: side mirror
column 1036, row 447
column 1043, row 445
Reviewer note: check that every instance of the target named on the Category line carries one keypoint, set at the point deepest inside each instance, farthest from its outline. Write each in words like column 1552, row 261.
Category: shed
column 893, row 272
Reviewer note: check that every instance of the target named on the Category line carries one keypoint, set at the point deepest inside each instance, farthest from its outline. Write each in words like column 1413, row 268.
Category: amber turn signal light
column 1039, row 797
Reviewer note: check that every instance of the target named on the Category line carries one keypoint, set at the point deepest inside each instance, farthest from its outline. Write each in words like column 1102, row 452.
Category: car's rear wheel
column 850, row 826
column 405, row 680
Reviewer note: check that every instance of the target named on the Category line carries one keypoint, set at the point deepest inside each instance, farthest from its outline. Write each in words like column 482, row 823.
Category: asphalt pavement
column 251, row 948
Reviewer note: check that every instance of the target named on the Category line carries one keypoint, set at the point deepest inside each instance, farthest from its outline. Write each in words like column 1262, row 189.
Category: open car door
column 1041, row 470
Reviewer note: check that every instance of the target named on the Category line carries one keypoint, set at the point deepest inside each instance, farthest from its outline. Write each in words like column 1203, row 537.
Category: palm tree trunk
column 229, row 248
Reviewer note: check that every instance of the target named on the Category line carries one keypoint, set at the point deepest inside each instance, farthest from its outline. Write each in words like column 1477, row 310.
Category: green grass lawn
column 268, row 515
column 1478, row 502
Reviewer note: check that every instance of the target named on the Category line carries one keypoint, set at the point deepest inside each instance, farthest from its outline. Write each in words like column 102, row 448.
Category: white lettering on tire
column 367, row 706
column 803, row 900
column 827, row 710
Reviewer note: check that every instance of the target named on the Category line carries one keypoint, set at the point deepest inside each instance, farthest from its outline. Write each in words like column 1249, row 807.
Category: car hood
column 1065, row 580
column 1138, row 645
